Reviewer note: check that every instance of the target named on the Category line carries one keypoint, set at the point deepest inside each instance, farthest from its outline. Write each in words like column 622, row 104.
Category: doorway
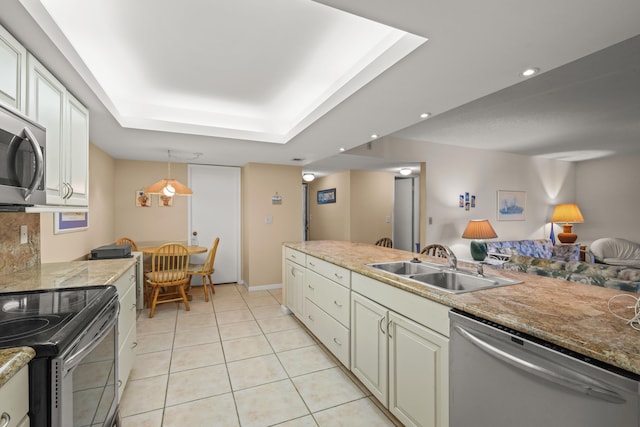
column 214, row 211
column 406, row 214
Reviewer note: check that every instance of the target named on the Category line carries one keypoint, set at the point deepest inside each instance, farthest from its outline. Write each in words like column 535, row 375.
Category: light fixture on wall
column 405, row 171
column 479, row 229
column 168, row 186
column 567, row 213
column 308, row 177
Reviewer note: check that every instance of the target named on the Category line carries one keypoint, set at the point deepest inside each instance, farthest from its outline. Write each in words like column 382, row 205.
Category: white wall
column 451, row 171
column 607, row 193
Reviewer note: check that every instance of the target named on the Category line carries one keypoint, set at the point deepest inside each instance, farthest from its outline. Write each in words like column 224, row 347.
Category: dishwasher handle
column 560, row 376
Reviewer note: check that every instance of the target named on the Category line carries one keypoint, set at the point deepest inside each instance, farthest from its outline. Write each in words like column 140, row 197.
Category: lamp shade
column 167, row 184
column 568, row 212
column 479, row 229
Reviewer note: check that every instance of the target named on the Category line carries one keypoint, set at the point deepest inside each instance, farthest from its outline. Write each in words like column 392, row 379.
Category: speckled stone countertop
column 12, row 360
column 572, row 315
column 66, row 275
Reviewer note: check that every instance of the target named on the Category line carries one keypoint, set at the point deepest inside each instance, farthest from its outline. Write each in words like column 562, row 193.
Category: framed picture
column 165, row 201
column 67, row 222
column 143, row 200
column 326, row 196
column 511, row 205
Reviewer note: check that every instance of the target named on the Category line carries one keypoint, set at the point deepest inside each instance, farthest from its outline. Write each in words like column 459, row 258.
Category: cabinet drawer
column 331, row 333
column 14, row 397
column 330, row 271
column 295, row 256
column 125, row 281
column 329, row 296
column 127, row 316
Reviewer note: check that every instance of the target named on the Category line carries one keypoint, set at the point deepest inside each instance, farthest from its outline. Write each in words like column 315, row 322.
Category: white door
column 406, row 214
column 214, row 211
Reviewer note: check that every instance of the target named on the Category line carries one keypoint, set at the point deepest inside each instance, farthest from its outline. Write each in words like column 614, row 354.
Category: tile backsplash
column 13, row 255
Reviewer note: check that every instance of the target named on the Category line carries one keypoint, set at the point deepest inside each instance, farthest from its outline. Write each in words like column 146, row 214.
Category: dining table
column 191, row 249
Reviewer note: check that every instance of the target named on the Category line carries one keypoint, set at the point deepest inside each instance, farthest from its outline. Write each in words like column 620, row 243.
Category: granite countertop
column 12, row 360
column 66, row 275
column 572, row 315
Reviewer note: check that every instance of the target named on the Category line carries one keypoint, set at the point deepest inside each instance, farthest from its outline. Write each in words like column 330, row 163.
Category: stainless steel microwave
column 22, row 161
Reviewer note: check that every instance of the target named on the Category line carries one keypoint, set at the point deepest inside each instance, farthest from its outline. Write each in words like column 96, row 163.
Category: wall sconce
column 308, row 177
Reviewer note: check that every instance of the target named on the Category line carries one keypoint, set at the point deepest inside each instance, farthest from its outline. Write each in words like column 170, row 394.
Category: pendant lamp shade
column 168, row 186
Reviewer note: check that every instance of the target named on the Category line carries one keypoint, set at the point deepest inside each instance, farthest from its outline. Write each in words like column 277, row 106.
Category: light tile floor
column 237, row 360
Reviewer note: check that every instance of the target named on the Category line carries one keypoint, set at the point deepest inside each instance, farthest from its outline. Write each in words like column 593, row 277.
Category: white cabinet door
column 76, row 156
column 294, row 281
column 418, row 374
column 369, row 345
column 13, row 71
column 46, row 102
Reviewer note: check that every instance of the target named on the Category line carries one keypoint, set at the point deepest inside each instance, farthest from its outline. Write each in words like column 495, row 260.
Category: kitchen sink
column 440, row 277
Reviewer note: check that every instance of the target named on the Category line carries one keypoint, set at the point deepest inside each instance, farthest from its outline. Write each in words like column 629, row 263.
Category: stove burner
column 28, row 326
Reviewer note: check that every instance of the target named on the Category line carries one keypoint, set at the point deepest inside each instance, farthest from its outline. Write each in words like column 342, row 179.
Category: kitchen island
column 569, row 314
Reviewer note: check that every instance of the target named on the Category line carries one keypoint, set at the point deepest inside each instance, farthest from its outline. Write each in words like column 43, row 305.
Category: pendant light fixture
column 168, row 186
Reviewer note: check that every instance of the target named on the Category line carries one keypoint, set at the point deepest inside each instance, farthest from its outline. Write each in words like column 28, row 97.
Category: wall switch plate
column 268, row 219
column 24, row 235
column 387, row 219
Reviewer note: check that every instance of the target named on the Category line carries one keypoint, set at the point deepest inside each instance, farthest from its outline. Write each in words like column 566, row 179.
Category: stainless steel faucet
column 453, row 261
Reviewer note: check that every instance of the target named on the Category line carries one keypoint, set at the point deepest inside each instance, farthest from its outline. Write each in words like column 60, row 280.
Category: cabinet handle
column 134, row 344
column 310, row 318
column 388, row 331
column 311, row 264
column 292, row 256
column 72, row 192
column 337, row 303
column 311, row 287
column 133, row 306
column 335, row 340
column 381, row 326
column 293, row 272
column 339, row 276
column 5, row 419
column 119, row 383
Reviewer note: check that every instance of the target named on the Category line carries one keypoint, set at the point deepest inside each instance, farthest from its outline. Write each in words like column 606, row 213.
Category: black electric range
column 73, row 331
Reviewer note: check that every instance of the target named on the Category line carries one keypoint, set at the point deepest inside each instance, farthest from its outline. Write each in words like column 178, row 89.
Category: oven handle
column 560, row 376
column 75, row 356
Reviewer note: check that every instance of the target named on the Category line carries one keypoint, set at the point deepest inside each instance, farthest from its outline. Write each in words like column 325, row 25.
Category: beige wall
column 154, row 224
column 371, row 205
column 77, row 245
column 330, row 221
column 262, row 242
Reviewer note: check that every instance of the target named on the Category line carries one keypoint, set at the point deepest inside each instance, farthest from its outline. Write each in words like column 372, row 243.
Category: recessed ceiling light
column 374, row 136
column 405, row 171
column 342, row 149
column 530, row 72
column 424, row 115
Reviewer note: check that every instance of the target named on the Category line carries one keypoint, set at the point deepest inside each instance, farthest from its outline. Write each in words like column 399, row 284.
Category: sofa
column 537, row 248
column 615, row 251
column 609, row 276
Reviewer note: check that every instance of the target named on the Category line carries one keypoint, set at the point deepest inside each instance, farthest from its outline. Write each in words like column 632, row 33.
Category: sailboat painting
column 511, row 205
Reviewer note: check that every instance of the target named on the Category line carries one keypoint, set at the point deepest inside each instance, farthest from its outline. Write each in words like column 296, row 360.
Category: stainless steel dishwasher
column 503, row 378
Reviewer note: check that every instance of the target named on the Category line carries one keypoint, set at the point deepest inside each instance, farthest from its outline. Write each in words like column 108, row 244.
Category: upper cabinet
column 67, row 124
column 13, row 71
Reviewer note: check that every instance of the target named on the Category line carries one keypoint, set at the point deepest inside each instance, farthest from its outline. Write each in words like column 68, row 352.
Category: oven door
column 84, row 378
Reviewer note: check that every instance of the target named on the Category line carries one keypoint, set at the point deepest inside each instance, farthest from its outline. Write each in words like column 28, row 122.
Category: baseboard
column 262, row 287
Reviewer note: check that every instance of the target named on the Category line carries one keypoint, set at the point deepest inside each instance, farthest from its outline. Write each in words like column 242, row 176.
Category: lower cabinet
column 404, row 364
column 127, row 293
column 294, row 281
column 14, row 400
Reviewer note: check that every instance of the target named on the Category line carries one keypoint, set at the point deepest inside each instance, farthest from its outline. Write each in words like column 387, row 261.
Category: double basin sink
column 440, row 277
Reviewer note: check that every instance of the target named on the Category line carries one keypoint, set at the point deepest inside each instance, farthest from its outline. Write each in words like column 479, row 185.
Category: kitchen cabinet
column 402, row 360
column 67, row 123
column 14, row 400
column 294, row 281
column 326, row 306
column 13, row 71
column 127, row 291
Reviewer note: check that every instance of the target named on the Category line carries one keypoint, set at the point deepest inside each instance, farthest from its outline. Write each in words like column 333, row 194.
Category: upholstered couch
column 615, row 251
column 537, row 248
column 615, row 277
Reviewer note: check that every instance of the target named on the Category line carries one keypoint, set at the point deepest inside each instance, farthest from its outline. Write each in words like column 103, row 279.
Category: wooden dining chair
column 127, row 241
column 168, row 273
column 205, row 270
column 385, row 241
column 435, row 250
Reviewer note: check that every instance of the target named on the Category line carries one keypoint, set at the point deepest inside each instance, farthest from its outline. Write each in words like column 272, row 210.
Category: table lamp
column 567, row 213
column 479, row 229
